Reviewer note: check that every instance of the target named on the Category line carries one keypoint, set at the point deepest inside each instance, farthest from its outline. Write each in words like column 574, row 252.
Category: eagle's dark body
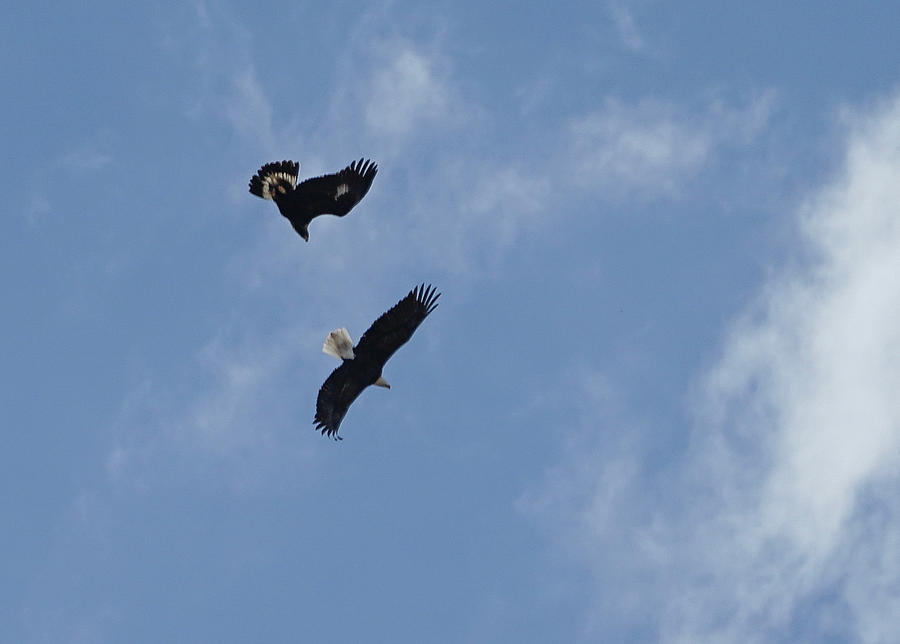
column 330, row 194
column 387, row 334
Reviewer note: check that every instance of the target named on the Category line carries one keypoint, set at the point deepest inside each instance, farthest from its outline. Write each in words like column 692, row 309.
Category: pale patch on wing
column 341, row 191
column 277, row 182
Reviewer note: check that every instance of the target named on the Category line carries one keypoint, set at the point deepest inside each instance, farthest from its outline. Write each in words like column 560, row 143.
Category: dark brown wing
column 394, row 328
column 336, row 395
column 275, row 179
column 336, row 194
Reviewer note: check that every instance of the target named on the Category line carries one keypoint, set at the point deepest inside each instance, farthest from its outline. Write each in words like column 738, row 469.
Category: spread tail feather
column 339, row 344
column 275, row 179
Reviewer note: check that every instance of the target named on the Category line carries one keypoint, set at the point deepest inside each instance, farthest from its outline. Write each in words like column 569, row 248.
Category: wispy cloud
column 56, row 606
column 782, row 512
column 650, row 149
column 225, row 86
column 242, row 394
column 626, row 26
column 38, row 208
column 407, row 92
column 86, row 159
column 247, row 107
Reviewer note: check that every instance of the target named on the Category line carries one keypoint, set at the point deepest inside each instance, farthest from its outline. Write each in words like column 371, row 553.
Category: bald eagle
column 331, row 194
column 361, row 365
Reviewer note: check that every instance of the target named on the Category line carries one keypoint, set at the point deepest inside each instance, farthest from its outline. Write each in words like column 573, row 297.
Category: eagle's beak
column 381, row 382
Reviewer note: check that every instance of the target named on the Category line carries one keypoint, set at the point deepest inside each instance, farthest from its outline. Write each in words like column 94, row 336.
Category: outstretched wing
column 336, row 395
column 392, row 330
column 336, row 194
column 275, row 179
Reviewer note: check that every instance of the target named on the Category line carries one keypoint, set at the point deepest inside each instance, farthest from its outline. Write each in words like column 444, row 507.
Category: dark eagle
column 331, row 194
column 361, row 365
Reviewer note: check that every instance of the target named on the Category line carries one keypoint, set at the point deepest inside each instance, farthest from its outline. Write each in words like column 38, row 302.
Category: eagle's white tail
column 339, row 344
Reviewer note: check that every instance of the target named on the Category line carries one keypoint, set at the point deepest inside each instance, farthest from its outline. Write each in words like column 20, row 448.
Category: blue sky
column 656, row 403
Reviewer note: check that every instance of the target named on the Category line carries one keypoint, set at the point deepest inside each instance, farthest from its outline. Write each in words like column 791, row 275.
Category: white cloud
column 410, row 89
column 824, row 359
column 650, row 149
column 406, row 92
column 784, row 512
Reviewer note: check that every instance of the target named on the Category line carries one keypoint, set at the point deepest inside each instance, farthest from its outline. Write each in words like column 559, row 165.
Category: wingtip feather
column 427, row 296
